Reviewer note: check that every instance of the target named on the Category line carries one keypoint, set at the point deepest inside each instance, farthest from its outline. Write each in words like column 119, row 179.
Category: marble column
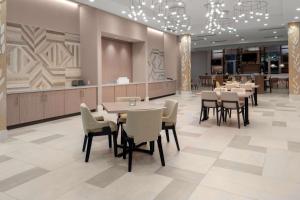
column 2, row 65
column 294, row 58
column 185, row 56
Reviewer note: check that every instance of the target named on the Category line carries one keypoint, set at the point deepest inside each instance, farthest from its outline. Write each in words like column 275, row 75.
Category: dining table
column 255, row 88
column 242, row 95
column 124, row 107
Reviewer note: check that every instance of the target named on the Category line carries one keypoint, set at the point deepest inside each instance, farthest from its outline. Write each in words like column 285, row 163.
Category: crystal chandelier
column 217, row 20
column 170, row 15
column 250, row 10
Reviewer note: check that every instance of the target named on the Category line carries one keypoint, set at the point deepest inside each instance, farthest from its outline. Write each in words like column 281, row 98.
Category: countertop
column 135, row 83
column 30, row 90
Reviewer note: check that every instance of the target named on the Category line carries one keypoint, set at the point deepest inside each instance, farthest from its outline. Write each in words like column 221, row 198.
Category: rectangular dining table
column 255, row 87
column 245, row 96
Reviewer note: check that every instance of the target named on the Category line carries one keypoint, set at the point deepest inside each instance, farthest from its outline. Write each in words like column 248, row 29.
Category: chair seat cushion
column 123, row 118
column 99, row 118
column 112, row 125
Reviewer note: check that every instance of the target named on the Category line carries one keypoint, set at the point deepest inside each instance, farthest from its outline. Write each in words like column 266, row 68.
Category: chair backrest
column 144, row 125
column 218, row 85
column 128, row 99
column 238, row 90
column 88, row 120
column 171, row 110
column 209, row 99
column 229, row 99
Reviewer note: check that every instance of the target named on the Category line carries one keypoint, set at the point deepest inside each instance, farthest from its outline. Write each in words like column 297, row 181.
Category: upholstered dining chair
column 210, row 100
column 96, row 127
column 142, row 126
column 169, row 120
column 230, row 101
column 122, row 117
column 219, row 90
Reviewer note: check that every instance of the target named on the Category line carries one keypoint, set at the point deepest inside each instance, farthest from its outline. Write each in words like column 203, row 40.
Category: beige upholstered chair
column 219, row 90
column 230, row 101
column 143, row 126
column 169, row 119
column 96, row 127
column 249, row 88
column 209, row 100
column 123, row 116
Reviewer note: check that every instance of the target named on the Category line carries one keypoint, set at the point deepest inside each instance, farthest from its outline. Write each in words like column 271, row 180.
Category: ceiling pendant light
column 250, row 11
column 171, row 13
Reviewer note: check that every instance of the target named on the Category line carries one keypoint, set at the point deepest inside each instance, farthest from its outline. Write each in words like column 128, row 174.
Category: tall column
column 294, row 58
column 185, row 56
column 2, row 65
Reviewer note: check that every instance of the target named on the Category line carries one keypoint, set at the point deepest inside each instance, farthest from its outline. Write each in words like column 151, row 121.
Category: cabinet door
column 131, row 90
column 108, row 94
column 31, row 107
column 89, row 97
column 141, row 90
column 72, row 101
column 13, row 109
column 120, row 91
column 54, row 104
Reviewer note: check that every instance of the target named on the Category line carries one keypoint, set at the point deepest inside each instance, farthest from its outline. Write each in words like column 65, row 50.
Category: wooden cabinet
column 131, row 90
column 31, row 107
column 35, row 106
column 72, row 101
column 141, row 90
column 108, row 93
column 54, row 104
column 13, row 109
column 89, row 97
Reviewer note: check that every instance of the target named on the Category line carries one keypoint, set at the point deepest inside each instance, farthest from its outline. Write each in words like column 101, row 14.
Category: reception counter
column 33, row 105
column 110, row 92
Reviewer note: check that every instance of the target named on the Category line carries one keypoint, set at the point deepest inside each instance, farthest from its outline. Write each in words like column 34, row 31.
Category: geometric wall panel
column 156, row 66
column 41, row 58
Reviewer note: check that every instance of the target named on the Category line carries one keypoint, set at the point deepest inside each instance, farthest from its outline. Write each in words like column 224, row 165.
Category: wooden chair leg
column 109, row 141
column 161, row 153
column 130, row 154
column 175, row 137
column 84, row 143
column 167, row 135
column 89, row 146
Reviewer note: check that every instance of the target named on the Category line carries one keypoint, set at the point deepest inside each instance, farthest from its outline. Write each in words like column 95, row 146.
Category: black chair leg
column 238, row 116
column 201, row 113
column 124, row 147
column 167, row 134
column 161, row 153
column 89, row 146
column 109, row 141
column 243, row 114
column 115, row 138
column 151, row 147
column 175, row 137
column 130, row 154
column 84, row 143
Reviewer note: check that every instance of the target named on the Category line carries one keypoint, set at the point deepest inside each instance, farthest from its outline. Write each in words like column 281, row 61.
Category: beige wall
column 58, row 15
column 171, row 52
column 116, row 60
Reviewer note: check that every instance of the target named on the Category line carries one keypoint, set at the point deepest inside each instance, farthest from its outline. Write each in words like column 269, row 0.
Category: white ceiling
column 281, row 12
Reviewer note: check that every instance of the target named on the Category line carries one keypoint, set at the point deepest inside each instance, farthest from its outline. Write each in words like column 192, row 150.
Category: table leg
column 246, row 122
column 255, row 97
column 205, row 114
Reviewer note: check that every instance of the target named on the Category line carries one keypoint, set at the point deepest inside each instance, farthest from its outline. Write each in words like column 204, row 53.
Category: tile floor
column 258, row 162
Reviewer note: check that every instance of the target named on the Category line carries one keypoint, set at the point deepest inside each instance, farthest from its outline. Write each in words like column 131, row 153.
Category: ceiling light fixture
column 170, row 14
column 217, row 20
column 250, row 10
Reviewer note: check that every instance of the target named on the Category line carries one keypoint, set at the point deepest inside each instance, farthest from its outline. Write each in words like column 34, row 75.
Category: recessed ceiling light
column 92, row 0
column 298, row 9
column 276, row 37
column 237, row 35
column 243, row 39
column 265, row 24
column 274, row 32
column 205, row 38
column 123, row 12
column 296, row 17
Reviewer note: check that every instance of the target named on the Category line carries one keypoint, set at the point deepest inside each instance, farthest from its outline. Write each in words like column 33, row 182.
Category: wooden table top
column 123, row 107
